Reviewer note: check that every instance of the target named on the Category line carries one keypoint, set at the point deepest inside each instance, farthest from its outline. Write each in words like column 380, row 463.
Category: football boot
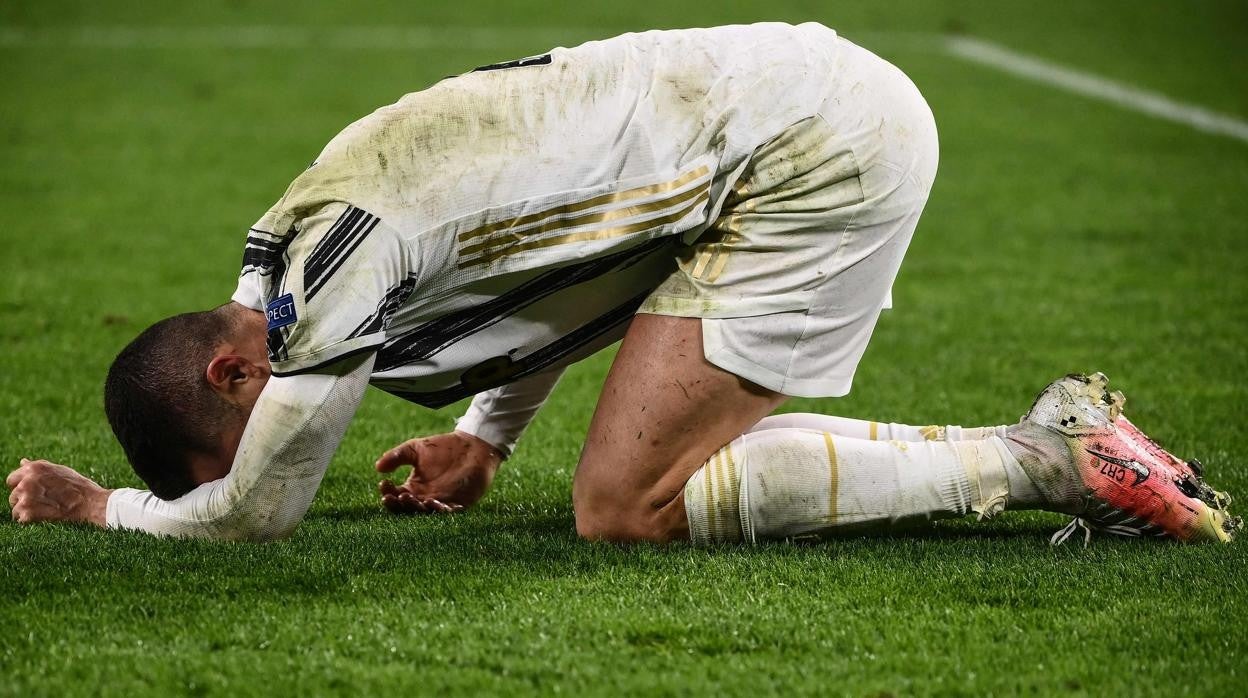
column 1090, row 461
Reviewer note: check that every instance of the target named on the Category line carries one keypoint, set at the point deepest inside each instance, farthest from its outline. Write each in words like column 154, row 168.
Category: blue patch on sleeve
column 281, row 312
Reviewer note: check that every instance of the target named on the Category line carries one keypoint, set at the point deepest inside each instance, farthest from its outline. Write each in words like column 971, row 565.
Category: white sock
column 785, row 482
column 1023, row 492
column 876, row 431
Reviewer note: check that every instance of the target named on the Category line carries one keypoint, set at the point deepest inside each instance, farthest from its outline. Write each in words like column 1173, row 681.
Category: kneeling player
column 734, row 202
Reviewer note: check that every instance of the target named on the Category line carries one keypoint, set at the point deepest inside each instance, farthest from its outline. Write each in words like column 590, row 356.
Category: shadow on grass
column 560, row 524
column 362, row 550
column 501, row 519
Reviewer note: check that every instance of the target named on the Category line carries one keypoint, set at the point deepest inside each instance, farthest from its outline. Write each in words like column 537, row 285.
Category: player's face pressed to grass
column 178, row 398
column 180, row 395
column 741, row 264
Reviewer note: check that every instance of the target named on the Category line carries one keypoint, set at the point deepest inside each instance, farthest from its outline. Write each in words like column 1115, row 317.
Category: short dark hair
column 159, row 402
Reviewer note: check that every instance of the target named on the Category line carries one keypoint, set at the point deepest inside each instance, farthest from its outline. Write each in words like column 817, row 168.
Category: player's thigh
column 663, row 412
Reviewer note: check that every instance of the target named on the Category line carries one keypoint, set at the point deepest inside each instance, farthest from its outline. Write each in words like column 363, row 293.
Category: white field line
column 383, row 38
column 409, row 37
column 515, row 38
column 1096, row 87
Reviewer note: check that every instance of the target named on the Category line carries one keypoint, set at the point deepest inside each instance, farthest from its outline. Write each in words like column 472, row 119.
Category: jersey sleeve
column 331, row 294
column 501, row 415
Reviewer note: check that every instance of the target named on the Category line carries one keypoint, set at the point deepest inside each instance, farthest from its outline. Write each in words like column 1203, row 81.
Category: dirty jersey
column 512, row 219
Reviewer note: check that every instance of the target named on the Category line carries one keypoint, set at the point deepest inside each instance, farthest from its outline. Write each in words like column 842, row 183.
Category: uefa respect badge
column 281, row 312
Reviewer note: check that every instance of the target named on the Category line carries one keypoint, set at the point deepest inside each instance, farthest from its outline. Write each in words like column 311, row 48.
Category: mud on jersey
column 513, row 218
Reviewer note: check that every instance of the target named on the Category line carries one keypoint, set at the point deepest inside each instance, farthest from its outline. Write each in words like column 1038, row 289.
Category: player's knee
column 619, row 517
column 597, row 516
column 618, row 526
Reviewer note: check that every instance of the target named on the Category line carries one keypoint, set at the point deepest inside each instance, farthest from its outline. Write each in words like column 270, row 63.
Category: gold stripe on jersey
column 564, row 210
column 586, row 219
column 700, row 195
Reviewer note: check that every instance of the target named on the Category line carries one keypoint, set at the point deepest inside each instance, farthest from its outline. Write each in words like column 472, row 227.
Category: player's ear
column 226, row 372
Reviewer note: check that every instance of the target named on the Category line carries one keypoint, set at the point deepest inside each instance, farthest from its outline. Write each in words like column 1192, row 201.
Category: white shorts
column 792, row 276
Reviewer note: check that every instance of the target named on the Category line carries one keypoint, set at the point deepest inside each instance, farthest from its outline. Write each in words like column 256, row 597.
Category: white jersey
column 493, row 228
column 512, row 219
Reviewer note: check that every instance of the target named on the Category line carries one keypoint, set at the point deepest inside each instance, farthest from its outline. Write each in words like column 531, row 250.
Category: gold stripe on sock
column 874, row 431
column 968, row 454
column 833, row 485
column 721, row 490
column 732, row 496
column 708, row 478
column 931, row 433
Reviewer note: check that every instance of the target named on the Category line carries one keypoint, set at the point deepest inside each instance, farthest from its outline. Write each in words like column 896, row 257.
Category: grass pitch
column 138, row 143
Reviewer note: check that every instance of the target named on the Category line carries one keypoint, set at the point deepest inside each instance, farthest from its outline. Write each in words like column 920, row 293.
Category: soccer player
column 733, row 202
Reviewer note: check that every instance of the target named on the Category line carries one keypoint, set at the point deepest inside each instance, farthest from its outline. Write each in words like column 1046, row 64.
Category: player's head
column 179, row 395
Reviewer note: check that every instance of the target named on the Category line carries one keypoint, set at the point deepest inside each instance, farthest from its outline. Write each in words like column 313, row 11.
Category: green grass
column 1063, row 234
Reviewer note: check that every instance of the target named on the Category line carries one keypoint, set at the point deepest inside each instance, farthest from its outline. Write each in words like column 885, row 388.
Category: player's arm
column 291, row 435
column 456, row 468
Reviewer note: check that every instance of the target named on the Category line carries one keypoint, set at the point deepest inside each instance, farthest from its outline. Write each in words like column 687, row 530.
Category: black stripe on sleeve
column 366, row 226
column 265, row 255
column 278, row 266
column 333, row 249
column 338, row 238
column 338, row 235
column 270, row 245
column 277, row 345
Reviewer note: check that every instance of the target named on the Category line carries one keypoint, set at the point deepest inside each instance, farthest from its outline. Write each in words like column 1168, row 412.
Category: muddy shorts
column 792, row 276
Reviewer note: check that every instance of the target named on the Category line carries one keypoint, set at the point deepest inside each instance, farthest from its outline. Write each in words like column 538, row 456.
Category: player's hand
column 43, row 491
column 449, row 472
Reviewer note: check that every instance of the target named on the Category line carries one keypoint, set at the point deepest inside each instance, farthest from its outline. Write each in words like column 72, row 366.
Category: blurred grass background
column 139, row 140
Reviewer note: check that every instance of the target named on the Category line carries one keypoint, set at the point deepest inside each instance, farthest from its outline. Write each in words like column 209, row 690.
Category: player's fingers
column 399, row 505
column 392, row 504
column 17, row 475
column 22, row 514
column 414, row 504
column 402, row 502
column 405, row 454
column 433, row 506
column 442, row 507
column 386, row 487
column 388, row 462
column 405, row 505
column 32, row 515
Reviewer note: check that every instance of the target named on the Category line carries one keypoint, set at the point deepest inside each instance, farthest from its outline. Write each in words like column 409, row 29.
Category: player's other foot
column 1090, row 461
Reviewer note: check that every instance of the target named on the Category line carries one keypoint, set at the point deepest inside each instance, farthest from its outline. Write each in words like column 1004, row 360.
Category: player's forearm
column 292, row 434
column 500, row 416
